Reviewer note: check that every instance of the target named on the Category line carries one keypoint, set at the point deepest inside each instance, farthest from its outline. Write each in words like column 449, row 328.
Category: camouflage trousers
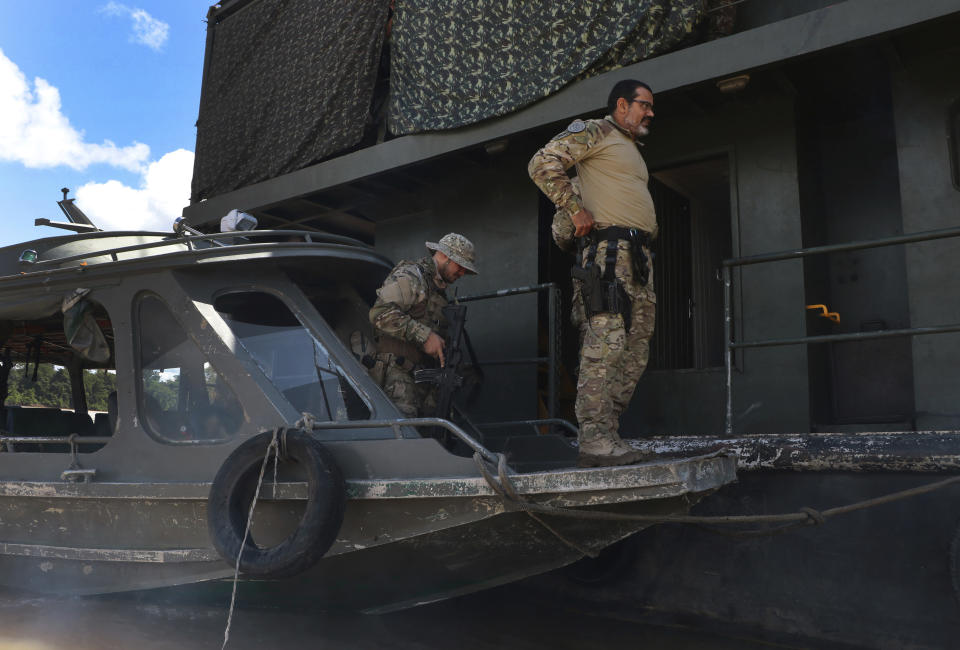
column 412, row 399
column 611, row 358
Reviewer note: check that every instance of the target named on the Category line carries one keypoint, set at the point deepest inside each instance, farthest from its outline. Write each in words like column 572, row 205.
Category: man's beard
column 639, row 130
column 442, row 272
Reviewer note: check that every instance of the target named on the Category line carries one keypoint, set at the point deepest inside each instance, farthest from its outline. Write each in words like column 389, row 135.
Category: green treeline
column 52, row 387
column 164, row 392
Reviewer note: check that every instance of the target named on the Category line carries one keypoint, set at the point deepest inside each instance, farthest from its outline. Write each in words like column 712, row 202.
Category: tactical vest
column 428, row 312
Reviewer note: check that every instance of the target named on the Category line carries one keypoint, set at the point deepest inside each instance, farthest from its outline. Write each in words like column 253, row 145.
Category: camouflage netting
column 461, row 61
column 288, row 82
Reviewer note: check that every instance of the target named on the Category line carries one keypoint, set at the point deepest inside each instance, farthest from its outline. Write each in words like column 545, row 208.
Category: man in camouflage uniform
column 409, row 322
column 613, row 207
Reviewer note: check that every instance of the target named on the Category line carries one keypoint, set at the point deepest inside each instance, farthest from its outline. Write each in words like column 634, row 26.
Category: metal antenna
column 73, row 213
column 77, row 221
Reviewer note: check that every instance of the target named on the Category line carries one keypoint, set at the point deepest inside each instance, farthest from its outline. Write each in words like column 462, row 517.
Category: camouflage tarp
column 287, row 82
column 461, row 61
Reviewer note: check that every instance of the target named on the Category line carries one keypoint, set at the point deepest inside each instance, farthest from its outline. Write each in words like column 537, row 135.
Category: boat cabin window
column 291, row 357
column 182, row 397
column 57, row 375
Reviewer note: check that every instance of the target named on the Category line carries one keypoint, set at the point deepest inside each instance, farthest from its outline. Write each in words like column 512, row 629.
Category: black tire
column 233, row 488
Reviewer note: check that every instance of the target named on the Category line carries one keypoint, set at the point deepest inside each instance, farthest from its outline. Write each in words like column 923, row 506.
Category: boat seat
column 112, row 412
column 25, row 421
column 104, row 423
column 81, row 424
column 101, row 425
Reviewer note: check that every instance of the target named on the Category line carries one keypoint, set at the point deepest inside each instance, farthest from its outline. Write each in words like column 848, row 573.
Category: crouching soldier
column 409, row 323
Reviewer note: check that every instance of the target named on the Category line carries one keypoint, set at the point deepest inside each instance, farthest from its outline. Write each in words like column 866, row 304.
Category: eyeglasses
column 644, row 103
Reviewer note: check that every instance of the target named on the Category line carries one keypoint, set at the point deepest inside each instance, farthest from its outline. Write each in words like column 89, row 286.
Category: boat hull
column 402, row 543
column 878, row 578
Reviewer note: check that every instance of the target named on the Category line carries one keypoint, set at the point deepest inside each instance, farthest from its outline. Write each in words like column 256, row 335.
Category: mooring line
column 806, row 517
column 253, row 504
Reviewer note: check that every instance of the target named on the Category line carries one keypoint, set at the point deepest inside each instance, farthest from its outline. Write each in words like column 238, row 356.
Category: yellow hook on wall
column 832, row 315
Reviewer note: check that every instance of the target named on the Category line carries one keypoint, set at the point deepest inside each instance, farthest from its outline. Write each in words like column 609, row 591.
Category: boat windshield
column 183, row 398
column 290, row 356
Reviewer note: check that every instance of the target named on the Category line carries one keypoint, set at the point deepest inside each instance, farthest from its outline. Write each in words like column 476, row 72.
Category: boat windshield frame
column 275, row 282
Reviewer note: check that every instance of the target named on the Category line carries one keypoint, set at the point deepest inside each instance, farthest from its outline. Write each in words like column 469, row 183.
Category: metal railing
column 535, row 424
column 732, row 345
column 74, row 472
column 398, row 423
column 553, row 336
column 74, row 440
column 212, row 240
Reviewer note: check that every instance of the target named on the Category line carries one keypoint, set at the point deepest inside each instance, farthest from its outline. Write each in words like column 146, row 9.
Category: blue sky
column 127, row 76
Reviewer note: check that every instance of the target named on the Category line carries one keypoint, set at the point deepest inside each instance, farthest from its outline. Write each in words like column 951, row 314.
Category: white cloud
column 160, row 199
column 147, row 30
column 34, row 131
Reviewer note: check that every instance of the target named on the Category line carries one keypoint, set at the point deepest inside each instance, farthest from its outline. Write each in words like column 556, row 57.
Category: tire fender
column 232, row 492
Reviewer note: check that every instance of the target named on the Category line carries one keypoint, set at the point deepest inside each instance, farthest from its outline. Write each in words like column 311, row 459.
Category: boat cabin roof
column 58, row 265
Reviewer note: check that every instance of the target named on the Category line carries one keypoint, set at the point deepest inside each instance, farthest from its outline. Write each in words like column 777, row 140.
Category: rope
column 508, row 492
column 273, row 446
column 806, row 516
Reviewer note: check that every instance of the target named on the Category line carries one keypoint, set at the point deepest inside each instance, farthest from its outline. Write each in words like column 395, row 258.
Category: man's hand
column 434, row 347
column 583, row 221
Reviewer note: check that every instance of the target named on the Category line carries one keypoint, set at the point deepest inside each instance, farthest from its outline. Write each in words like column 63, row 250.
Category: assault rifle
column 448, row 378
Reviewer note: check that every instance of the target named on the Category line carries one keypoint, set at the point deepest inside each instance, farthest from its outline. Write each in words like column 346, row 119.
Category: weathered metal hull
column 403, row 542
column 884, row 577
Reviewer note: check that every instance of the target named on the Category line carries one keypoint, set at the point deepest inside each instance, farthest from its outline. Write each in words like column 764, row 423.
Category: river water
column 493, row 619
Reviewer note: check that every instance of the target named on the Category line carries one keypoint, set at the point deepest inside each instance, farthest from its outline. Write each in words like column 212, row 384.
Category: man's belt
column 405, row 354
column 638, row 239
column 598, row 235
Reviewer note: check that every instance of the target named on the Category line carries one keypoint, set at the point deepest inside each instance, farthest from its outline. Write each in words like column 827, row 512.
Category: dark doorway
column 693, row 213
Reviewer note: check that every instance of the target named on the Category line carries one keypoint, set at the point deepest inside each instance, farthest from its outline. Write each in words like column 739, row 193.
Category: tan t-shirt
column 613, row 175
column 613, row 178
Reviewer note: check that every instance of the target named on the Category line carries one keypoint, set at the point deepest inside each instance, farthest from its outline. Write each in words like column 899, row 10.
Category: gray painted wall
column 770, row 385
column 923, row 91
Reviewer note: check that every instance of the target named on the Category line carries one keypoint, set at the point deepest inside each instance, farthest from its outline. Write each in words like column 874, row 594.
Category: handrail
column 553, row 334
column 533, row 423
column 912, row 238
column 395, row 424
column 732, row 345
column 72, row 473
column 173, row 240
column 63, row 440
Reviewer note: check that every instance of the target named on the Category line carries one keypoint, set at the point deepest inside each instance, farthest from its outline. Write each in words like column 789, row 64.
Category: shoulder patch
column 577, row 126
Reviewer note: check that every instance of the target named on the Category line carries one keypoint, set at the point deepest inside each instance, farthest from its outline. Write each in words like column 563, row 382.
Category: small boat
column 233, row 383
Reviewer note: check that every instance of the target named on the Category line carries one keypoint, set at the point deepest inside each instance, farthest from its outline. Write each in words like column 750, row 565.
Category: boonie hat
column 458, row 248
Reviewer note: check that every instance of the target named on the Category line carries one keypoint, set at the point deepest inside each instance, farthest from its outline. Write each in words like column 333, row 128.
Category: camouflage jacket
column 548, row 167
column 409, row 304
column 562, row 228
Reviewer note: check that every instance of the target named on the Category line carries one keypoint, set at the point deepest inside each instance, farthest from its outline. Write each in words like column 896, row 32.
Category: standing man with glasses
column 613, row 216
